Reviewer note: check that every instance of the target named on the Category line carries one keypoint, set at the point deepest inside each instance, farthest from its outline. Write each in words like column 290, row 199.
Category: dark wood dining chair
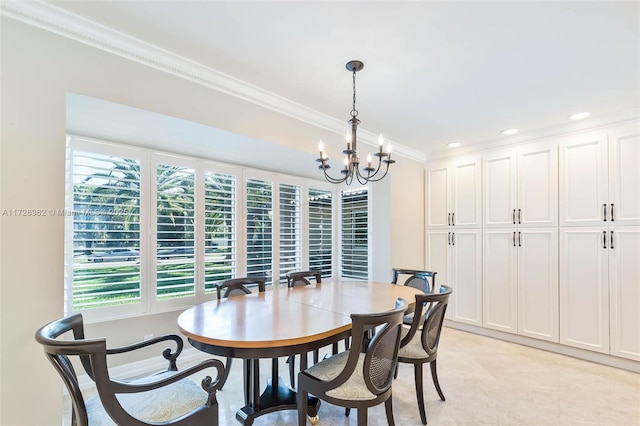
column 419, row 343
column 168, row 397
column 421, row 280
column 360, row 377
column 237, row 287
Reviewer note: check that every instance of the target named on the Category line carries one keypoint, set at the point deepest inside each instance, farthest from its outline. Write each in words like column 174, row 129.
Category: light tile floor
column 486, row 382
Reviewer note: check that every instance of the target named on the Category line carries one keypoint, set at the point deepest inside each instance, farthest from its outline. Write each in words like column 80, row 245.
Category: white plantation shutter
column 105, row 217
column 259, row 228
column 290, row 230
column 321, row 231
column 175, row 231
column 355, row 234
column 220, row 228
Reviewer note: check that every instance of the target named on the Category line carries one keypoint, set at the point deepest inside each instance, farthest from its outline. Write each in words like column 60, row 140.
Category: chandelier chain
column 354, row 111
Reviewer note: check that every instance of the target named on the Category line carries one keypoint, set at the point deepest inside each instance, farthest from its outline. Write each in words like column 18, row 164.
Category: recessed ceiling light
column 454, row 144
column 510, row 132
column 579, row 116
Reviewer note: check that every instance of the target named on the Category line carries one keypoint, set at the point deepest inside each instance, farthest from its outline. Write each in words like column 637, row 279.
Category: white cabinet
column 624, row 291
column 520, row 280
column 466, row 275
column 521, row 187
column 454, row 194
column 600, row 289
column 457, row 257
column 538, row 283
column 599, row 178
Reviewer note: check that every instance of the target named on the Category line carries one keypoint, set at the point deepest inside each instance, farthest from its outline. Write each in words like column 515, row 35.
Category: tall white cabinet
column 600, row 241
column 542, row 240
column 454, row 240
column 520, row 242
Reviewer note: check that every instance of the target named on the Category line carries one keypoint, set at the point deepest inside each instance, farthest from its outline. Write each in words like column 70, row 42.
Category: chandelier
column 352, row 168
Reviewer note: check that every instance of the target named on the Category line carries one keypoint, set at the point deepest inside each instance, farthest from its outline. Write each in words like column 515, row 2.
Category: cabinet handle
column 519, row 215
column 453, row 219
column 449, row 239
column 604, row 212
column 449, row 219
column 519, row 239
column 453, row 238
column 611, row 242
column 513, row 217
column 604, row 239
column 612, row 217
column 514, row 237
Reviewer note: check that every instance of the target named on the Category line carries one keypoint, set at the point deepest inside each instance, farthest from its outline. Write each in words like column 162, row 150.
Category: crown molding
column 51, row 18
column 587, row 125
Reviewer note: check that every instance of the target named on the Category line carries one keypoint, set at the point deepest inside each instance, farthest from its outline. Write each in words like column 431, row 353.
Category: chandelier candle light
column 351, row 161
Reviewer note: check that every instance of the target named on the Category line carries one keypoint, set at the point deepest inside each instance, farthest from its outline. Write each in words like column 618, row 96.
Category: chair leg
column 292, row 373
column 388, row 408
column 316, row 355
column 362, row 416
column 419, row 392
column 225, row 376
column 434, row 376
column 303, row 401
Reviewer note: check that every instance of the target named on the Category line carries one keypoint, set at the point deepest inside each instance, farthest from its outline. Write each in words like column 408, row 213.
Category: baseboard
column 600, row 358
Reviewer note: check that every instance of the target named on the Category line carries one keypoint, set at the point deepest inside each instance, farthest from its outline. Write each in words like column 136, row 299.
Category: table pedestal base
column 275, row 398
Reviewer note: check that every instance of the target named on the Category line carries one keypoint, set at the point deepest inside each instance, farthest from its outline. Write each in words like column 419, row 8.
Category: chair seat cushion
column 157, row 405
column 414, row 348
column 354, row 388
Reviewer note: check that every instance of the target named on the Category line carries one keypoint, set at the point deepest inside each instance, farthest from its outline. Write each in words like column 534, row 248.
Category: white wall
column 38, row 68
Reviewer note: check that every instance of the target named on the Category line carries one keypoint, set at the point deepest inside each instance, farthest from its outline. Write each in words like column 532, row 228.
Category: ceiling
column 435, row 72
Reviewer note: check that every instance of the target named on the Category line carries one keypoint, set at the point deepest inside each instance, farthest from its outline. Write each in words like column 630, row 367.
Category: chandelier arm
column 381, row 177
column 332, row 179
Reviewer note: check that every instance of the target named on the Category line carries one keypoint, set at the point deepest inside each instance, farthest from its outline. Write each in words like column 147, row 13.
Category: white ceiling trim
column 596, row 123
column 52, row 18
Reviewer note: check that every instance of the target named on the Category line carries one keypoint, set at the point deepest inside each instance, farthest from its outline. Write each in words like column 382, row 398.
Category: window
column 175, row 231
column 259, row 229
column 290, row 230
column 220, row 228
column 321, row 231
column 355, row 231
column 106, row 230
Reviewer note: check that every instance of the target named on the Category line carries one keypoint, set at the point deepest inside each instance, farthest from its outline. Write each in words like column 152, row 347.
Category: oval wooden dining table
column 279, row 322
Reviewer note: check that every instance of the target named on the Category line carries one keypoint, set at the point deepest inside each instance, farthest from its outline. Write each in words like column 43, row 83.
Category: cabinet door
column 500, row 202
column 584, row 180
column 437, row 207
column 538, row 283
column 584, row 288
column 465, row 196
column 500, row 278
column 438, row 259
column 624, row 175
column 538, row 186
column 624, row 286
column 466, row 275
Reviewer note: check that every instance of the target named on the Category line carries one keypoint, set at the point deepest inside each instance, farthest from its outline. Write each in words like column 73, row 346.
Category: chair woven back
column 301, row 278
column 239, row 286
column 381, row 353
column 421, row 280
column 436, row 308
column 431, row 308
